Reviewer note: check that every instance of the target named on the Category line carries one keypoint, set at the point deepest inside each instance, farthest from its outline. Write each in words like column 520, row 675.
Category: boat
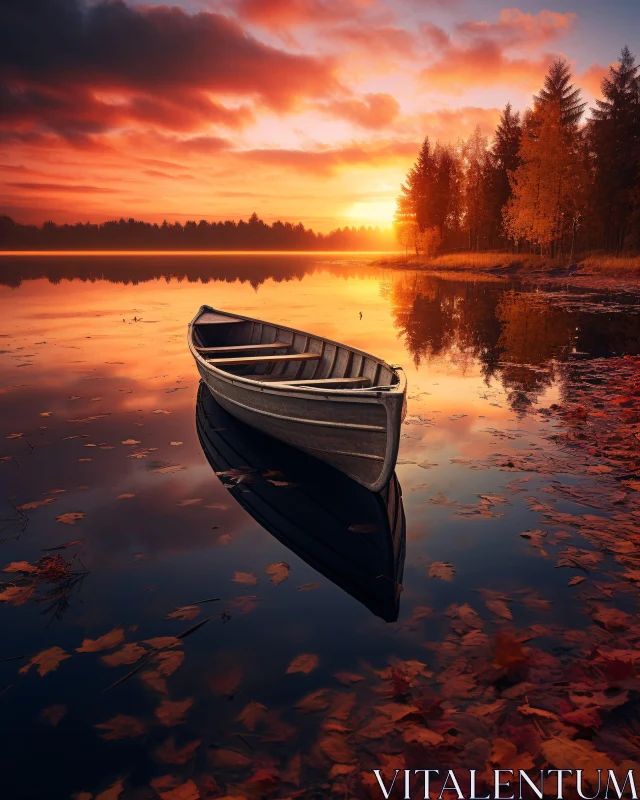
column 335, row 402
column 353, row 537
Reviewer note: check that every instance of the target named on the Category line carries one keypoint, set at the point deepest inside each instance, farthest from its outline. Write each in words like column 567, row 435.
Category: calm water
column 98, row 440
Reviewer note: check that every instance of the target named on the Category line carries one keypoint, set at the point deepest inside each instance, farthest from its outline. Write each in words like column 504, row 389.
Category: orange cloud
column 514, row 27
column 373, row 111
column 480, row 54
column 282, row 13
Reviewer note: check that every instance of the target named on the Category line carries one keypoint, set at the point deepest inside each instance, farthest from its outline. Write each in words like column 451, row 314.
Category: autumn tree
column 548, row 187
column 615, row 141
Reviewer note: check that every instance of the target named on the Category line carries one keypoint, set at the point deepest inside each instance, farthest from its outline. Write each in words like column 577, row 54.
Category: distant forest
column 131, row 234
column 548, row 182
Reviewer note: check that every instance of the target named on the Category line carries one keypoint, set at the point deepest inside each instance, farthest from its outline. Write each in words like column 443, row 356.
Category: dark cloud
column 80, row 69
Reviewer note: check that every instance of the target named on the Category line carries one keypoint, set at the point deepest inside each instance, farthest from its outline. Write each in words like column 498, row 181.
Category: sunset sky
column 304, row 110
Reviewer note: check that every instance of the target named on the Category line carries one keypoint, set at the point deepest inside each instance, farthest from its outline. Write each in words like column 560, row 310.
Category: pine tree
column 559, row 89
column 615, row 140
column 504, row 160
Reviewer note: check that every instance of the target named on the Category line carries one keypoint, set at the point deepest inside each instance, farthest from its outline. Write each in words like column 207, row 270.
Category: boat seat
column 238, row 360
column 331, row 383
column 242, row 348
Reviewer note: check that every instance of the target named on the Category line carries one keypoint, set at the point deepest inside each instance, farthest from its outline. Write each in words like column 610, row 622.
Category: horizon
column 316, row 113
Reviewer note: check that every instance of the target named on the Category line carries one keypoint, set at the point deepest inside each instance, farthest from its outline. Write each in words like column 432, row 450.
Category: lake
column 120, row 538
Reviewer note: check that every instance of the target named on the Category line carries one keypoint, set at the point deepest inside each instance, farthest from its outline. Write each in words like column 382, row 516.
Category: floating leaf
column 70, row 518
column 184, row 613
column 278, row 572
column 121, row 727
column 173, row 712
column 443, row 570
column 46, row 661
column 247, row 578
column 105, row 642
column 304, row 663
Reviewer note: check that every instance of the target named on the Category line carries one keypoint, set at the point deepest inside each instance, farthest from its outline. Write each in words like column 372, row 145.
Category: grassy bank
column 499, row 261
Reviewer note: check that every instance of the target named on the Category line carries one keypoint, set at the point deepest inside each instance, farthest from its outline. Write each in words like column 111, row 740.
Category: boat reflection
column 353, row 537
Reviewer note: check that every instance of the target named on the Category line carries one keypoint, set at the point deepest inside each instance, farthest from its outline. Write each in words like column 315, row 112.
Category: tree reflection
column 518, row 335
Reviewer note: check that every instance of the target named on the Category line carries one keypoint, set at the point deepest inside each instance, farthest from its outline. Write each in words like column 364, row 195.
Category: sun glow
column 374, row 212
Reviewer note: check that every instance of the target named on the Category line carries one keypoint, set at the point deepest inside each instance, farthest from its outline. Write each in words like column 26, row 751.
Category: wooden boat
column 353, row 537
column 335, row 402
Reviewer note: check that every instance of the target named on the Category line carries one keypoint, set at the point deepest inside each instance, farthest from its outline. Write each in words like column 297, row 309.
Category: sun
column 374, row 212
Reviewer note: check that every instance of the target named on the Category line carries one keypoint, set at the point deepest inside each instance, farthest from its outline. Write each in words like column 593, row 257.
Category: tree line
column 131, row 234
column 549, row 182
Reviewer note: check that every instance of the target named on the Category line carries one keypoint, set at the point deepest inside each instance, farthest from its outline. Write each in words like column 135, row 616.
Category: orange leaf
column 278, row 572
column 171, row 712
column 247, row 578
column 121, row 727
column 443, row 570
column 46, row 661
column 128, row 654
column 251, row 714
column 71, row 517
column 305, row 663
column 105, row 642
column 314, row 701
column 184, row 613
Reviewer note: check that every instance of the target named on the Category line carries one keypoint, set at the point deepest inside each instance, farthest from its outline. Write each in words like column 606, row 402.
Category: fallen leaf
column 304, row 663
column 278, row 572
column 576, row 580
column 105, row 642
column 443, row 570
column 184, row 613
column 251, row 714
column 125, row 496
column 121, row 726
column 247, row 578
column 314, row 701
column 128, row 654
column 173, row 712
column 20, row 566
column 70, row 518
column 308, row 587
column 46, row 661
column 499, row 607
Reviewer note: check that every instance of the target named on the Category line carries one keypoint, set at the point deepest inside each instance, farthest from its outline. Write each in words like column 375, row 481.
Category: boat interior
column 264, row 352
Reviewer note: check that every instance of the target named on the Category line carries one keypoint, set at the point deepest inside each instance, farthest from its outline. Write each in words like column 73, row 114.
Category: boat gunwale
column 370, row 394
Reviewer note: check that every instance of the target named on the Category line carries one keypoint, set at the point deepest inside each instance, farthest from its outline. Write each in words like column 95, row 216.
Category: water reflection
column 518, row 334
column 351, row 536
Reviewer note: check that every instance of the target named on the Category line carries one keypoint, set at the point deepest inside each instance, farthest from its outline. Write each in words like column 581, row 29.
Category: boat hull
column 357, row 432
